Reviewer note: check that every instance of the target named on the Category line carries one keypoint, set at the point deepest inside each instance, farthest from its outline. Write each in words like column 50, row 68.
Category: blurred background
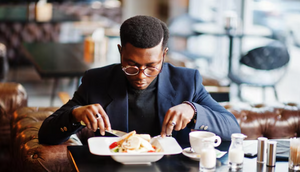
column 244, row 49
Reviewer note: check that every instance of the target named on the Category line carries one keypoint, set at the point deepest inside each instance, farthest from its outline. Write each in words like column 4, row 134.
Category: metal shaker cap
column 271, row 160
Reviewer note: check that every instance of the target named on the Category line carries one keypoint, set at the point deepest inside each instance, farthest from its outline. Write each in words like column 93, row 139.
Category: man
column 142, row 93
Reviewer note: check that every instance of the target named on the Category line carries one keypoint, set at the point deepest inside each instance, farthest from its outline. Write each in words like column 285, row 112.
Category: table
column 56, row 60
column 83, row 160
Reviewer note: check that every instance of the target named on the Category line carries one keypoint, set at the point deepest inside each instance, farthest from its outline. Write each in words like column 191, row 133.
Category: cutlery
column 117, row 133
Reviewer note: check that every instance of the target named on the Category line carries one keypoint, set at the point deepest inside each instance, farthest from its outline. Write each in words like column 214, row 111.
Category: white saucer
column 188, row 152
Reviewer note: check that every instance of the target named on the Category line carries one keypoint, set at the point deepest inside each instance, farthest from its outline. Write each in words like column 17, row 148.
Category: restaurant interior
column 247, row 52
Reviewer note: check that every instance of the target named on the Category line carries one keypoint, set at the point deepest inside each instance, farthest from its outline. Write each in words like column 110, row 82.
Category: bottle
column 89, row 45
column 236, row 152
column 208, row 157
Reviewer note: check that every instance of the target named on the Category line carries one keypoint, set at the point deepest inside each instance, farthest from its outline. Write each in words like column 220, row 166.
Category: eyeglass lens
column 150, row 71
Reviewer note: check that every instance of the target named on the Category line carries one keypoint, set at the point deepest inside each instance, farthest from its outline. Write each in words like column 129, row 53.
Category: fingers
column 178, row 125
column 105, row 119
column 175, row 119
column 163, row 127
column 93, row 116
column 101, row 125
column 91, row 120
column 181, row 122
column 86, row 122
column 168, row 124
column 171, row 125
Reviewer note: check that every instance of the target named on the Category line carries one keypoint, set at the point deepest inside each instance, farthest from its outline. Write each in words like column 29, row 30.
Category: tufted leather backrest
column 12, row 34
column 272, row 56
column 273, row 121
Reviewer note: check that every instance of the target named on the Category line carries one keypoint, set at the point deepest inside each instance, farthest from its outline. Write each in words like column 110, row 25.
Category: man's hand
column 177, row 117
column 93, row 116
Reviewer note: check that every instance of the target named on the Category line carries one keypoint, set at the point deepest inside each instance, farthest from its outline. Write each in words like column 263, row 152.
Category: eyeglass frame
column 138, row 70
column 159, row 70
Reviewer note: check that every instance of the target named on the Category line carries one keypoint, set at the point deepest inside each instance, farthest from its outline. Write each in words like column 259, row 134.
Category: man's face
column 141, row 58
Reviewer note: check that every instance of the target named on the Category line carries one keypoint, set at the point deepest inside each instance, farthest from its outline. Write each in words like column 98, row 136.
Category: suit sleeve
column 211, row 116
column 59, row 126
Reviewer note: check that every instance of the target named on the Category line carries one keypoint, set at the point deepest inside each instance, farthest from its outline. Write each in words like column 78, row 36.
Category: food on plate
column 133, row 143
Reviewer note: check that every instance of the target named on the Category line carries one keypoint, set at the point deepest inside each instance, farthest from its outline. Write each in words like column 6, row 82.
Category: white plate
column 196, row 157
column 168, row 145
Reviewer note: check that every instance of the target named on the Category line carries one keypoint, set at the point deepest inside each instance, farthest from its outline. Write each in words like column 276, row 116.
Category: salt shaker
column 236, row 152
column 261, row 149
column 208, row 157
column 271, row 158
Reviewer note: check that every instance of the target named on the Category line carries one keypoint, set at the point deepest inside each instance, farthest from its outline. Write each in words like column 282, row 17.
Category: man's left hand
column 176, row 118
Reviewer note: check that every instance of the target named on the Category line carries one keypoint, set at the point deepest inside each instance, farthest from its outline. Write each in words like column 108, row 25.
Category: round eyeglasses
column 134, row 70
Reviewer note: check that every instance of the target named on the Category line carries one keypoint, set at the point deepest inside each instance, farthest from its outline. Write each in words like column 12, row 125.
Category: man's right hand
column 93, row 116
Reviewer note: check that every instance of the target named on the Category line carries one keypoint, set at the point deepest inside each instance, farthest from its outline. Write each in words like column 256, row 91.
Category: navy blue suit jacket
column 107, row 86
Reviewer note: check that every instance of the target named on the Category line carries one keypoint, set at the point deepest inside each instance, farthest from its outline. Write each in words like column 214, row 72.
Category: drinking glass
column 208, row 156
column 294, row 158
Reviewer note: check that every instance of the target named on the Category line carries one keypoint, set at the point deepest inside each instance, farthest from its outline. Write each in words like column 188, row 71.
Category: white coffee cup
column 196, row 139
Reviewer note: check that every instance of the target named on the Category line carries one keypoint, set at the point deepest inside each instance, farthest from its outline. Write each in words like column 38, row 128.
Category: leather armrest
column 12, row 96
column 38, row 157
column 28, row 154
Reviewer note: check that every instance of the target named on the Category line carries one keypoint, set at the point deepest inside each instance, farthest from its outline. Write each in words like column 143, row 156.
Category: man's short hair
column 144, row 32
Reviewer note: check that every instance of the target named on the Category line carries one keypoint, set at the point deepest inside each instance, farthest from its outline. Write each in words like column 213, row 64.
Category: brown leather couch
column 28, row 154
column 274, row 121
column 269, row 120
column 12, row 96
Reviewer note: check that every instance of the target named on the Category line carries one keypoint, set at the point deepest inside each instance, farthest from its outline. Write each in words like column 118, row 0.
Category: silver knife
column 117, row 133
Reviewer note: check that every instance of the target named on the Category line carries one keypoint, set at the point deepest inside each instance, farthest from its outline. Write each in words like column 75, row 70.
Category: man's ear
column 119, row 48
column 166, row 51
column 120, row 51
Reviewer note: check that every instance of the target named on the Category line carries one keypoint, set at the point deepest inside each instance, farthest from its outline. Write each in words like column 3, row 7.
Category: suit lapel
column 165, row 93
column 117, row 109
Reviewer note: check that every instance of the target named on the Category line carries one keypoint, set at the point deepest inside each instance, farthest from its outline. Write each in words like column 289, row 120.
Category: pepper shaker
column 261, row 149
column 271, row 153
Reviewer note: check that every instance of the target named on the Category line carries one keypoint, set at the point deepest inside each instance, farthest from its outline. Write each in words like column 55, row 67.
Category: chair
column 261, row 67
